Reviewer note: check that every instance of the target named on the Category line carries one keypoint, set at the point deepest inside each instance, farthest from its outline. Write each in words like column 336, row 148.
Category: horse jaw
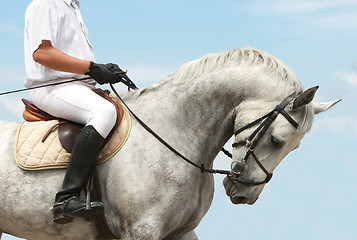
column 241, row 194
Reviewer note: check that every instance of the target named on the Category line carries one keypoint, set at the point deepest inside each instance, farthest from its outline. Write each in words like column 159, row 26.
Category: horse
column 151, row 192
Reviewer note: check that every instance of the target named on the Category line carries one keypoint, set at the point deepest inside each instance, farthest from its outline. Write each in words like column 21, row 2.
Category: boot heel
column 58, row 216
column 60, row 219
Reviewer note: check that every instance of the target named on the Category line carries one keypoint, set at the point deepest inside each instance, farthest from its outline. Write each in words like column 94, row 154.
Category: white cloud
column 11, row 108
column 301, row 6
column 334, row 14
column 344, row 125
column 12, row 29
column 343, row 21
column 13, row 76
column 350, row 78
column 145, row 74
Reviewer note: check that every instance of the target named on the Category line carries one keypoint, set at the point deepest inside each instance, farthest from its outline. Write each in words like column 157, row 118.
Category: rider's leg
column 84, row 155
column 77, row 103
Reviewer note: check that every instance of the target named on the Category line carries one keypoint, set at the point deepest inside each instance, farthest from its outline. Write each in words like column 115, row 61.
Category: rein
column 130, row 84
column 45, row 85
column 123, row 78
column 172, row 149
column 233, row 175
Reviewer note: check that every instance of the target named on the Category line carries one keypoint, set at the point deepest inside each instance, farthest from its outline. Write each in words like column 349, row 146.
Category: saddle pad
column 33, row 154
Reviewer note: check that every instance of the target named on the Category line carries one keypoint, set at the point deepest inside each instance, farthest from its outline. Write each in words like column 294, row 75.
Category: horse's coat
column 148, row 192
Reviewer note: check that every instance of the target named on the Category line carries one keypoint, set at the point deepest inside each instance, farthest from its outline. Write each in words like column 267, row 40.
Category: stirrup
column 62, row 215
column 79, row 208
column 91, row 207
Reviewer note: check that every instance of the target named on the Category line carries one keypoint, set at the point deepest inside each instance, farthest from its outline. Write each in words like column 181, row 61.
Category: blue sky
column 313, row 193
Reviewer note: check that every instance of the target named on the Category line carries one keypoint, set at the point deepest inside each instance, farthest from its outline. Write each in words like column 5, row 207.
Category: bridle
column 252, row 141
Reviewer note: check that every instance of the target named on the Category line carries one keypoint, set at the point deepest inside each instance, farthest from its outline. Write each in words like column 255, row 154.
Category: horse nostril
column 238, row 167
column 242, row 200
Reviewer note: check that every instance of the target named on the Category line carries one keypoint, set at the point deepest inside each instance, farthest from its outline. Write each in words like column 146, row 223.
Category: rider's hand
column 105, row 73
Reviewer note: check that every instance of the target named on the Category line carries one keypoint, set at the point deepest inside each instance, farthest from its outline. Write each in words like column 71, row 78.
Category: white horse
column 148, row 191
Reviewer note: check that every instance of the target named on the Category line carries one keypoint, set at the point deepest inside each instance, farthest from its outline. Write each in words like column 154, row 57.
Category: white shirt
column 60, row 22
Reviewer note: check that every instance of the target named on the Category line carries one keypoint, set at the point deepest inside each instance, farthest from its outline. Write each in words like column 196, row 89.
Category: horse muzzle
column 238, row 193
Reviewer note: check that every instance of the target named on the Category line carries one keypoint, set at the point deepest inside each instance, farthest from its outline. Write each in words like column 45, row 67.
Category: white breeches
column 78, row 103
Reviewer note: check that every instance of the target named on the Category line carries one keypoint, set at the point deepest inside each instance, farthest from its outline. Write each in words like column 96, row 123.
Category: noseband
column 252, row 141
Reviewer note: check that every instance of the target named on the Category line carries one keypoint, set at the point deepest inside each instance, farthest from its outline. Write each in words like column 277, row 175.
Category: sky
column 313, row 193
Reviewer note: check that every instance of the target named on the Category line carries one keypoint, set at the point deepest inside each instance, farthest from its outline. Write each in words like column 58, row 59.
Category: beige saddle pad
column 33, row 154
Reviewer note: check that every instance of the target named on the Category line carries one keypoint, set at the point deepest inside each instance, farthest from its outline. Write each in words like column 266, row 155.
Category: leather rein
column 233, row 175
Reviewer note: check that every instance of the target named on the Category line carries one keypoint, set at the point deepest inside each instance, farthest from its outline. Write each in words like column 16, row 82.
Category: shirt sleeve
column 42, row 24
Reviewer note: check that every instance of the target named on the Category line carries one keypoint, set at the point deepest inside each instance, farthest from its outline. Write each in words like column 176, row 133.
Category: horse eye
column 275, row 142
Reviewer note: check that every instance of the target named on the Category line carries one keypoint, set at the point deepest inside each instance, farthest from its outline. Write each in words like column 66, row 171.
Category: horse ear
column 323, row 106
column 304, row 98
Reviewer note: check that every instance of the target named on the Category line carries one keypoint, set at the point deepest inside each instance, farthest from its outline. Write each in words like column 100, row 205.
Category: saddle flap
column 68, row 134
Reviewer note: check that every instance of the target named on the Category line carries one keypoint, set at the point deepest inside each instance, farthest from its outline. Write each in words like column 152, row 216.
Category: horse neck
column 196, row 116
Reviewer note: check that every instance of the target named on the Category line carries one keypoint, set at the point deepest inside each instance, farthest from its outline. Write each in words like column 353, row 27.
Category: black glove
column 108, row 73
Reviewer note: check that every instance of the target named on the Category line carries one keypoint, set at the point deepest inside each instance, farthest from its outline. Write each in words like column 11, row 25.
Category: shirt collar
column 68, row 2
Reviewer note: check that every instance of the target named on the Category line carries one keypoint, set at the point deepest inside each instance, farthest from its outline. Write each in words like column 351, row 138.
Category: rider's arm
column 52, row 58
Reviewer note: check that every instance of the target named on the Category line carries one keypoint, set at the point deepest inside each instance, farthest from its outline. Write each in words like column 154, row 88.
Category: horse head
column 261, row 144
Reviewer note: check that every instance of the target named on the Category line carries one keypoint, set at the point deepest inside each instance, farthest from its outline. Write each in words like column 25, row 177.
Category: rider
column 57, row 49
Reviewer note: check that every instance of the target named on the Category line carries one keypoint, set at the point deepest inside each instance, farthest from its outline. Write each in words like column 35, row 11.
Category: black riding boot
column 83, row 157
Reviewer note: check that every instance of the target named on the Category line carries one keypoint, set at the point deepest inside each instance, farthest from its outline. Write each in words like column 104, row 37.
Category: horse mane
column 234, row 58
column 239, row 57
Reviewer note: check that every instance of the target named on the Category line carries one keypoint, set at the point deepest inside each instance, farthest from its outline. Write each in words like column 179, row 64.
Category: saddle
column 67, row 131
